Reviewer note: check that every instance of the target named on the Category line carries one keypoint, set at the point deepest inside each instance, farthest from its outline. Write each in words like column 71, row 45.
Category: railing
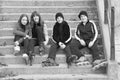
column 109, row 12
column 112, row 57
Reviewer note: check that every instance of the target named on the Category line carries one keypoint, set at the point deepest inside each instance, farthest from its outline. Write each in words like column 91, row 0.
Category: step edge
column 30, row 7
column 40, row 76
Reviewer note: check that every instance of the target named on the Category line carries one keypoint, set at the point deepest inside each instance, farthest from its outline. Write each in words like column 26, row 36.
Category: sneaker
column 82, row 59
column 98, row 61
column 26, row 59
column 16, row 49
column 99, row 65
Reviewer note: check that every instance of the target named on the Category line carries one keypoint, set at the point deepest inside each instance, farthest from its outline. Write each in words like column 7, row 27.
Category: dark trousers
column 55, row 47
column 76, row 46
column 38, row 33
column 28, row 45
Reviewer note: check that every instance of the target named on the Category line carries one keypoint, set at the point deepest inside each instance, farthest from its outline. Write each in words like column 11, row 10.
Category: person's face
column 59, row 19
column 36, row 19
column 84, row 18
column 24, row 20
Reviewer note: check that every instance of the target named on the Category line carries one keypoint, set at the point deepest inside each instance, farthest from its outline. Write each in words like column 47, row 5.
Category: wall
column 116, row 4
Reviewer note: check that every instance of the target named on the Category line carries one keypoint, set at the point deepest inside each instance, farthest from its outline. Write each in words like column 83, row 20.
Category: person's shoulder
column 18, row 26
column 91, row 21
column 65, row 22
column 80, row 23
column 28, row 26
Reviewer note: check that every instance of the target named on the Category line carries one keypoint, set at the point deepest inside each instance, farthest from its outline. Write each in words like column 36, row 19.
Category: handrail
column 112, row 57
column 107, row 13
column 105, row 28
column 109, row 19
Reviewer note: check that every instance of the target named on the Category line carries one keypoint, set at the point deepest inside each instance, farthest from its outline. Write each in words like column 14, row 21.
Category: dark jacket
column 85, row 32
column 37, row 28
column 61, row 32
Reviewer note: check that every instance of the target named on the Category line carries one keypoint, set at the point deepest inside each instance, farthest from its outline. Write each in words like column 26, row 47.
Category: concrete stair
column 68, row 16
column 60, row 77
column 10, row 10
column 47, row 2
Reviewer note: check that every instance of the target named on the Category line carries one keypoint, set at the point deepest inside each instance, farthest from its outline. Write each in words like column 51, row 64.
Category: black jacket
column 61, row 32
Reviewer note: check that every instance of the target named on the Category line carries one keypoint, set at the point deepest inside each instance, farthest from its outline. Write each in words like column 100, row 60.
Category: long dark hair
column 40, row 23
column 19, row 21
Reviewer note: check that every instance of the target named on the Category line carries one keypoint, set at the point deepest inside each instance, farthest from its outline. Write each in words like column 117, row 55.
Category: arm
column 68, row 34
column 46, row 34
column 77, row 33
column 55, row 36
column 77, row 36
column 95, row 31
column 18, row 31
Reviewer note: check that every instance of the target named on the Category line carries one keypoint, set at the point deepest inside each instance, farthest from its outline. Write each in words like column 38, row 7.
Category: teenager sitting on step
column 23, row 37
column 61, row 39
column 39, row 31
column 86, row 36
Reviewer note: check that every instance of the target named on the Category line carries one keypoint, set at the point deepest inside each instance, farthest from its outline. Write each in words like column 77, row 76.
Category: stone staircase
column 10, row 10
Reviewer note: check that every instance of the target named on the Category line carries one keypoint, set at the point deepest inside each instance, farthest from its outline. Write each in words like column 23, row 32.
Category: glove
column 62, row 45
column 82, row 42
column 16, row 43
column 90, row 44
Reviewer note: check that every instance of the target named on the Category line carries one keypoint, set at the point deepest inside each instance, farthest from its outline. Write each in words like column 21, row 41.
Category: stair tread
column 37, row 56
column 47, row 0
column 6, row 37
column 40, row 13
column 60, row 76
column 61, row 65
column 48, row 7
column 47, row 21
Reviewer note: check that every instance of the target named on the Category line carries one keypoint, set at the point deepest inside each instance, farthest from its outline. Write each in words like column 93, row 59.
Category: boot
column 31, row 58
column 42, row 49
column 71, row 59
column 49, row 62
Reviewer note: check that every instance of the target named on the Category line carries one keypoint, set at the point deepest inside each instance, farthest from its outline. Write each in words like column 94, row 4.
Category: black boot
column 71, row 59
column 31, row 58
column 49, row 62
column 42, row 49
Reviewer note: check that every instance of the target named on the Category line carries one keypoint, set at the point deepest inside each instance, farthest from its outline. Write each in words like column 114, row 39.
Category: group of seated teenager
column 33, row 32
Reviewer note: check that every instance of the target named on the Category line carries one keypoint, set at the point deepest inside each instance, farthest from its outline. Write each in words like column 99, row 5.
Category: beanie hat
column 59, row 14
column 83, row 13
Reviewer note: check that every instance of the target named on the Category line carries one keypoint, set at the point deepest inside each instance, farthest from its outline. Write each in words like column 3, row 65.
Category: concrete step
column 7, row 36
column 9, row 49
column 47, row 9
column 46, row 16
column 50, row 24
column 12, row 60
column 61, row 69
column 47, row 2
column 60, row 77
column 6, row 40
column 9, row 32
column 6, row 50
